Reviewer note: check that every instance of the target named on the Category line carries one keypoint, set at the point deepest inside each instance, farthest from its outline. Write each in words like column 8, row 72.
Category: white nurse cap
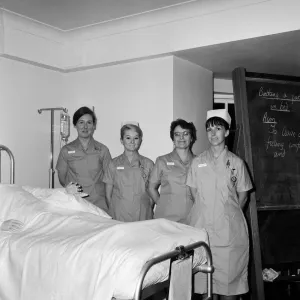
column 220, row 113
column 130, row 123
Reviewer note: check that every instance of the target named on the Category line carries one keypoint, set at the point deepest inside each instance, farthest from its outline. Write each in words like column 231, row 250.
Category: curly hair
column 184, row 125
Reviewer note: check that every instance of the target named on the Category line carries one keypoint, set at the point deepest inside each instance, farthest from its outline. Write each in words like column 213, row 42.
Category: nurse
column 127, row 178
column 84, row 160
column 174, row 200
column 219, row 182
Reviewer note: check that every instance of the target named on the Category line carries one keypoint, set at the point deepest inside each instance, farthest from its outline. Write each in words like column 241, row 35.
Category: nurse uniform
column 217, row 209
column 130, row 201
column 86, row 167
column 175, row 199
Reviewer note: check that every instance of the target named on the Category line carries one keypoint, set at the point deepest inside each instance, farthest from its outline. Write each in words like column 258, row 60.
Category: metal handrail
column 12, row 163
column 206, row 268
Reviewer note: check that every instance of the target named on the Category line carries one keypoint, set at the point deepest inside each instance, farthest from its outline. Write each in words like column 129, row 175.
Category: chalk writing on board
column 269, row 94
column 274, row 128
column 268, row 120
column 279, row 139
column 283, row 106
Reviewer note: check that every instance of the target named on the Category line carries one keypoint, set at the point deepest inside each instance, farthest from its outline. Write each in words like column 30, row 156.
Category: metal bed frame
column 12, row 163
column 180, row 253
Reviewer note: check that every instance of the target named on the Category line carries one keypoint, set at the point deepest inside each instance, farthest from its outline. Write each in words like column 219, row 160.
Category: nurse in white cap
column 219, row 182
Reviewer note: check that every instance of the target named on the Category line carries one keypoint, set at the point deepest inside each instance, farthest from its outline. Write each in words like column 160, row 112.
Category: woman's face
column 216, row 135
column 131, row 140
column 85, row 126
column 182, row 138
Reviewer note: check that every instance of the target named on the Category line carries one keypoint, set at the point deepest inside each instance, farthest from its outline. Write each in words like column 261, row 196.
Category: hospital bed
column 146, row 270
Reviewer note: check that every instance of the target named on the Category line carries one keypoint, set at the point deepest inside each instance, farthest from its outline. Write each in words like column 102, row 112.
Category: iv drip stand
column 51, row 170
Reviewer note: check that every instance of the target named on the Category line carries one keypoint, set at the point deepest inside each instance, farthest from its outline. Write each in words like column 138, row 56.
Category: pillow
column 40, row 193
column 16, row 203
column 62, row 199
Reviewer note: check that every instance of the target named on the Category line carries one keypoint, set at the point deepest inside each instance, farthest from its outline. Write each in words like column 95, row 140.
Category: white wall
column 193, row 96
column 23, row 90
column 140, row 91
column 152, row 92
column 223, row 86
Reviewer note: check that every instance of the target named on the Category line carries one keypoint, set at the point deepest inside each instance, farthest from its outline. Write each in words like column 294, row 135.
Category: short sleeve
column 106, row 159
column 109, row 173
column 149, row 167
column 155, row 176
column 191, row 178
column 62, row 164
column 244, row 183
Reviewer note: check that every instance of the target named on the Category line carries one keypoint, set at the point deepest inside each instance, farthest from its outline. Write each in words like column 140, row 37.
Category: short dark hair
column 216, row 121
column 184, row 125
column 83, row 111
column 131, row 126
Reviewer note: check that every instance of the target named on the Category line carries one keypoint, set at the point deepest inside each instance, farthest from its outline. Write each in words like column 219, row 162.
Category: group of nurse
column 129, row 185
column 206, row 191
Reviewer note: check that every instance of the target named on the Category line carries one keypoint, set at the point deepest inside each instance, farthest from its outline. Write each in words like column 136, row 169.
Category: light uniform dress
column 86, row 167
column 175, row 199
column 217, row 209
column 130, row 201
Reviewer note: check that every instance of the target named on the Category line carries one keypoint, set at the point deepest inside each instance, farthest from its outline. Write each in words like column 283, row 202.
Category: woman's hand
column 73, row 188
column 11, row 225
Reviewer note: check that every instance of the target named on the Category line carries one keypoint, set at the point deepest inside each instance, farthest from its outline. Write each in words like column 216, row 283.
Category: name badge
column 170, row 163
column 72, row 151
column 202, row 165
column 120, row 168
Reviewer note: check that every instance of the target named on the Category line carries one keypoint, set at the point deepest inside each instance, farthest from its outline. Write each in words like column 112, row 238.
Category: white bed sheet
column 68, row 255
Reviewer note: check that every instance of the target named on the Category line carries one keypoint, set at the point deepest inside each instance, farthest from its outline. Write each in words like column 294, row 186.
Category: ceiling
column 274, row 54
column 70, row 14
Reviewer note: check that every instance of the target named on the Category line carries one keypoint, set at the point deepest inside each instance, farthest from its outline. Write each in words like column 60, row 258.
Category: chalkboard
column 274, row 122
column 279, row 236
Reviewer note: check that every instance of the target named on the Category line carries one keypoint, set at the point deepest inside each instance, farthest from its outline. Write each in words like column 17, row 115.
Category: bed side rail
column 178, row 253
column 12, row 163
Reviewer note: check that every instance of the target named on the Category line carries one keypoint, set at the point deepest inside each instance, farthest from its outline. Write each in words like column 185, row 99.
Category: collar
column 136, row 158
column 221, row 157
column 174, row 155
column 91, row 144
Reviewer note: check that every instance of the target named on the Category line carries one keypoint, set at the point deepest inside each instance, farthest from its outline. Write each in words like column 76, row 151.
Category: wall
column 139, row 91
column 152, row 92
column 193, row 96
column 223, row 86
column 117, row 72
column 24, row 89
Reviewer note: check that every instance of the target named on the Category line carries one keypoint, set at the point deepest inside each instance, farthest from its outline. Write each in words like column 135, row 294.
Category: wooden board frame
column 243, row 149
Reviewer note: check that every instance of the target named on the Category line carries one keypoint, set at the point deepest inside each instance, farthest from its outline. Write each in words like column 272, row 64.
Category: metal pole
column 51, row 170
column 206, row 268
column 12, row 163
column 51, row 174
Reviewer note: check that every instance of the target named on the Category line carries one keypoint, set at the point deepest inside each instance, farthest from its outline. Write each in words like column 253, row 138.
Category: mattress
column 64, row 254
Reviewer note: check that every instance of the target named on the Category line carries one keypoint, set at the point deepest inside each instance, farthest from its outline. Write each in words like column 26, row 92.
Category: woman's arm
column 153, row 191
column 193, row 192
column 62, row 166
column 62, row 174
column 42, row 193
column 242, row 196
column 108, row 193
